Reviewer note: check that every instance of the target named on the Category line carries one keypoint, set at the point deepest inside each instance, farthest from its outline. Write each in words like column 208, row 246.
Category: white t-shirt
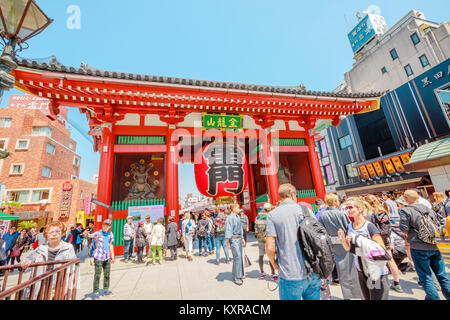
column 425, row 202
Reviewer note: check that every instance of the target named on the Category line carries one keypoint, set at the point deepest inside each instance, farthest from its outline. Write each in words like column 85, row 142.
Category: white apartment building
column 409, row 48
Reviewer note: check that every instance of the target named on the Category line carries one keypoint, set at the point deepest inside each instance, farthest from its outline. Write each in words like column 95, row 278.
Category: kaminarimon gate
column 144, row 126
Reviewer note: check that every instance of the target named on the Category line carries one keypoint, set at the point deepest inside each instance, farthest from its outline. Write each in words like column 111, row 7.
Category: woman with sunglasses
column 357, row 210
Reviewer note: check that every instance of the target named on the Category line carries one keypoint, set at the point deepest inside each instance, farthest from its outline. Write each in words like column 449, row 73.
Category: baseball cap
column 107, row 221
column 267, row 206
column 129, row 217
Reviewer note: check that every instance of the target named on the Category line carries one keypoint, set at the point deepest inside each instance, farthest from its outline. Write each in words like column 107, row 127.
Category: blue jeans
column 210, row 240
column 202, row 244
column 307, row 289
column 128, row 251
column 425, row 261
column 236, row 251
column 221, row 242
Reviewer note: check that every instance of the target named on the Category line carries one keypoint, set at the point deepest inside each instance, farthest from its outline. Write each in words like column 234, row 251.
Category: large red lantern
column 221, row 170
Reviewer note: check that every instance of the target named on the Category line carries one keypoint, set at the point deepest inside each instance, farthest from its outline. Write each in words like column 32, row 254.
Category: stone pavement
column 202, row 279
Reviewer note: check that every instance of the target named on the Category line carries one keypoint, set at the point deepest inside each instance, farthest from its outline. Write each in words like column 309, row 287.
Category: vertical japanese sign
column 66, row 198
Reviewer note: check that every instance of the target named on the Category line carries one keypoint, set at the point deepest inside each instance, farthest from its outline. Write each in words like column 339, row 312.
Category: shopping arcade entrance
column 133, row 115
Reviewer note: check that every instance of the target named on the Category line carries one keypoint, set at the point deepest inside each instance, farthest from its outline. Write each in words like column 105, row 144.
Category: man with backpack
column 260, row 232
column 420, row 223
column 295, row 280
column 103, row 252
column 334, row 219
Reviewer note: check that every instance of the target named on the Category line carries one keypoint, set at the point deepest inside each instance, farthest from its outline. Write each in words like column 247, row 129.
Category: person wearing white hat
column 260, row 233
column 129, row 233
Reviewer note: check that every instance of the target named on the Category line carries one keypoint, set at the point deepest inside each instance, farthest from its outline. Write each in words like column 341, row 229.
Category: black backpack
column 316, row 245
column 382, row 221
column 427, row 226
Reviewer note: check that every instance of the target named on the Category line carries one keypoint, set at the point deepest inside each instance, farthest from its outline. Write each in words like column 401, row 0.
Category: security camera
column 43, row 202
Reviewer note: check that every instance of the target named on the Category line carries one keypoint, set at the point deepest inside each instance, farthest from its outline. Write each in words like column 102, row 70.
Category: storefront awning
column 433, row 154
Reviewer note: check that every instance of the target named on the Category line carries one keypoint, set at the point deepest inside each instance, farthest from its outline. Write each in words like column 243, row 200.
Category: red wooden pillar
column 252, row 193
column 315, row 168
column 172, row 205
column 271, row 170
column 106, row 172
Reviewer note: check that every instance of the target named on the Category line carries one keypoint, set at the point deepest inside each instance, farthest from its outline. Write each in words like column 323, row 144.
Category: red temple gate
column 144, row 125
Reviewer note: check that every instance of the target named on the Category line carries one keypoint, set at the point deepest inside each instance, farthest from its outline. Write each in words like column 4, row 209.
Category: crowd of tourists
column 370, row 238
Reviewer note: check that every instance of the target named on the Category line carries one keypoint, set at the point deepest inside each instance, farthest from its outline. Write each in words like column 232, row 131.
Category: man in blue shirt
column 10, row 238
column 282, row 224
column 235, row 241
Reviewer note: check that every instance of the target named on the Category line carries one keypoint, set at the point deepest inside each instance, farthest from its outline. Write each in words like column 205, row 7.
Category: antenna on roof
column 346, row 22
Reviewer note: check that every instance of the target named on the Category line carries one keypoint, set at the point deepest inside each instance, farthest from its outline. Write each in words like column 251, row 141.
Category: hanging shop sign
column 221, row 170
column 398, row 164
column 222, row 122
column 378, row 168
column 388, row 165
column 364, row 172
column 66, row 199
column 371, row 170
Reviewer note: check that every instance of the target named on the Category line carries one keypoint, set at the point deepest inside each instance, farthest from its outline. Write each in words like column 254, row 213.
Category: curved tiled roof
column 55, row 66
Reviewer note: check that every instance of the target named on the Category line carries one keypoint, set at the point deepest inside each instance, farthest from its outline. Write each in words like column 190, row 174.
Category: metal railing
column 43, row 286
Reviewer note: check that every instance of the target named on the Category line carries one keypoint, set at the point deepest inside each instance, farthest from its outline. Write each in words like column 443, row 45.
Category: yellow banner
column 398, row 164
column 405, row 158
column 378, row 168
column 364, row 172
column 388, row 165
column 371, row 170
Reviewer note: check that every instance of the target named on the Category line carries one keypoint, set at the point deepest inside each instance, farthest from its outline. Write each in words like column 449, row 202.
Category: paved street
column 202, row 279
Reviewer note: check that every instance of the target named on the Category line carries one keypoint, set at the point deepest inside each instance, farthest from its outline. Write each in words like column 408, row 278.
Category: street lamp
column 20, row 21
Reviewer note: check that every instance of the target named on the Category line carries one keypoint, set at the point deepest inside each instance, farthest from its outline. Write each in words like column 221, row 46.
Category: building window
column 42, row 131
column 3, row 144
column 5, row 122
column 22, row 144
column 76, row 161
column 408, row 70
column 424, row 61
column 39, row 195
column 383, row 70
column 17, row 168
column 415, row 38
column 323, row 148
column 345, row 142
column 73, row 178
column 50, row 148
column 350, row 171
column 394, row 54
column 329, row 173
column 18, row 196
column 46, row 171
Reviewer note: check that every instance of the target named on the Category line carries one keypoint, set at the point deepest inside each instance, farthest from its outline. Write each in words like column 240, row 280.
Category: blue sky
column 284, row 42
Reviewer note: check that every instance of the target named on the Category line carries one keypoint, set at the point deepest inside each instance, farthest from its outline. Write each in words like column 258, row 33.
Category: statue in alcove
column 284, row 175
column 142, row 186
